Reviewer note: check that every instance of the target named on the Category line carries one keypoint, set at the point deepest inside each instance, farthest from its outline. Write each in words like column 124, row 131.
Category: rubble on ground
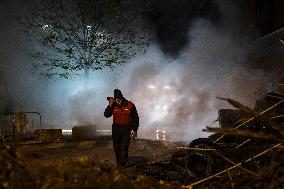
column 246, row 150
column 74, row 164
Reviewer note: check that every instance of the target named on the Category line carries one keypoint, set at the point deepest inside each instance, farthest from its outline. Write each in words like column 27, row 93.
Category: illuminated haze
column 177, row 95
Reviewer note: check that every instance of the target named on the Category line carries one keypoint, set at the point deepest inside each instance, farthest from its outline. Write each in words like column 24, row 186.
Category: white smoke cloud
column 212, row 65
column 179, row 95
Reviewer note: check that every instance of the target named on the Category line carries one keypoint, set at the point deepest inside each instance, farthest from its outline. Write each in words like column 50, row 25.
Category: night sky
column 196, row 49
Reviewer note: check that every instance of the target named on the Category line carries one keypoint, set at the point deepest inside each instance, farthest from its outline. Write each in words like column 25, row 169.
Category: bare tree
column 82, row 35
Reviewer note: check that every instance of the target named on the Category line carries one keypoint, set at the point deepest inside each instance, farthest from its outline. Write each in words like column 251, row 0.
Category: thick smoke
column 172, row 19
column 176, row 95
column 179, row 95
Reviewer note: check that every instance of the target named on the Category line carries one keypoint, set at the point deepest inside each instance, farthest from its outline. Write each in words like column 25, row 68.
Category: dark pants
column 121, row 140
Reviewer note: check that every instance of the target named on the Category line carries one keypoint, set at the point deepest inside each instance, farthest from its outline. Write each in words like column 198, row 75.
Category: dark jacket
column 135, row 118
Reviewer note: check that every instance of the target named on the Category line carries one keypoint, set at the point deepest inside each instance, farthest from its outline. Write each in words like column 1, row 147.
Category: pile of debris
column 246, row 150
column 12, row 173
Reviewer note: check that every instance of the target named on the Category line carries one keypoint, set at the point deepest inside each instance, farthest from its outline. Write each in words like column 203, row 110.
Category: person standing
column 124, row 127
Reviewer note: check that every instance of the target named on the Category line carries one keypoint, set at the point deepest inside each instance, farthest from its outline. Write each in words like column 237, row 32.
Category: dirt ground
column 82, row 164
column 98, row 150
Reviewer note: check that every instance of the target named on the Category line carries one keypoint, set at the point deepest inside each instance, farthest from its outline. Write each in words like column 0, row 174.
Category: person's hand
column 111, row 101
column 133, row 134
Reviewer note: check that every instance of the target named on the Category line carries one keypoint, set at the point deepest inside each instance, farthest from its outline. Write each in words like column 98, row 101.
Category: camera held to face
column 115, row 101
column 108, row 98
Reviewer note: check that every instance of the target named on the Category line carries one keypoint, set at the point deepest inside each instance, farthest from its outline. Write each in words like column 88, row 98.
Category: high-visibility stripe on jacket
column 122, row 116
